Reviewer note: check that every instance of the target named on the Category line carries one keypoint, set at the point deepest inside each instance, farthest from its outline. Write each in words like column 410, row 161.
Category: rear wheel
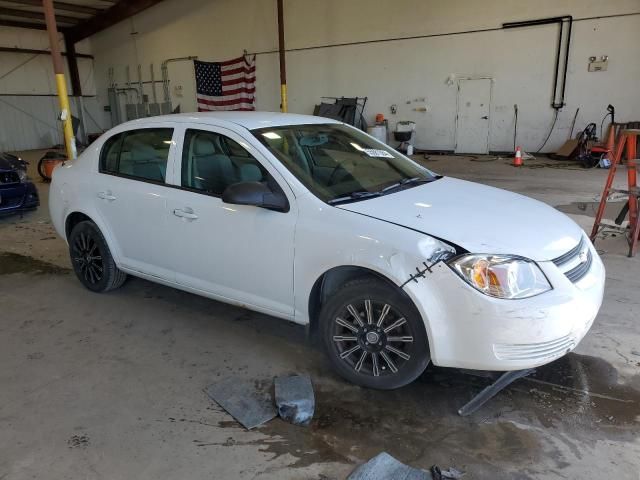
column 374, row 335
column 92, row 261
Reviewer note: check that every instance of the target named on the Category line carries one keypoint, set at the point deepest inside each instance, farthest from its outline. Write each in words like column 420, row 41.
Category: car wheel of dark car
column 374, row 335
column 92, row 261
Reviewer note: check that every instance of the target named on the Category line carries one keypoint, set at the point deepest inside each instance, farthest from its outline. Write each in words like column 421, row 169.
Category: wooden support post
column 61, row 83
column 283, row 65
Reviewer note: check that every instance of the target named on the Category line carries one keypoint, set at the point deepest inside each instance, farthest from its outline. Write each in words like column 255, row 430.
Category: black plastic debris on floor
column 384, row 467
column 243, row 401
column 294, row 398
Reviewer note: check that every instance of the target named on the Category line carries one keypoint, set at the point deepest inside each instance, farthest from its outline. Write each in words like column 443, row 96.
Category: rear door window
column 140, row 154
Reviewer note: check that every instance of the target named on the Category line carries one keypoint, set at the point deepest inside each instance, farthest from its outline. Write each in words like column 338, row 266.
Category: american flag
column 229, row 85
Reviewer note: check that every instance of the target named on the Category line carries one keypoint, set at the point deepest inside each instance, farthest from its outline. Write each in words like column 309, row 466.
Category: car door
column 131, row 197
column 233, row 252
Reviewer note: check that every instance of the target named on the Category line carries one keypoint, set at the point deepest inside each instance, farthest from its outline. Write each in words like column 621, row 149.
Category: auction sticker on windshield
column 372, row 152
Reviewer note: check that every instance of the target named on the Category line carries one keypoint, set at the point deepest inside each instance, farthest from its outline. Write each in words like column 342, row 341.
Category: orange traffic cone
column 517, row 160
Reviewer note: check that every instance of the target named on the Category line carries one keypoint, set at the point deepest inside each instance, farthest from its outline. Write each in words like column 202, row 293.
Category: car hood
column 9, row 162
column 478, row 218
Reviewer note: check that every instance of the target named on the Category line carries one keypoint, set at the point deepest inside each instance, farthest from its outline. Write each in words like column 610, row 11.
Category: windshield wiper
column 404, row 182
column 354, row 196
column 366, row 194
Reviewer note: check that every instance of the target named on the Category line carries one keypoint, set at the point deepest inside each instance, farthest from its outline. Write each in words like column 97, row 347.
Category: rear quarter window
column 109, row 154
column 140, row 154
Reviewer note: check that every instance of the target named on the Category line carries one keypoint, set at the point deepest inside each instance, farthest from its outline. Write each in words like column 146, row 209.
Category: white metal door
column 472, row 125
column 135, row 211
column 234, row 252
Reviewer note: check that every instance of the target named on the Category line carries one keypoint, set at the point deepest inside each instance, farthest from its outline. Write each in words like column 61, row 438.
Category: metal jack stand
column 492, row 390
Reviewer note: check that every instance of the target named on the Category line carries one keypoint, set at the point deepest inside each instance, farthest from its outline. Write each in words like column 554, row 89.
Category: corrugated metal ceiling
column 68, row 12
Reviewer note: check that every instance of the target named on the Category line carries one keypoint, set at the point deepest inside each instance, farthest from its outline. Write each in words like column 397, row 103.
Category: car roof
column 248, row 120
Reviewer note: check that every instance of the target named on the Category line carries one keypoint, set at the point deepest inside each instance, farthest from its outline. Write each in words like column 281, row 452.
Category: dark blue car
column 17, row 193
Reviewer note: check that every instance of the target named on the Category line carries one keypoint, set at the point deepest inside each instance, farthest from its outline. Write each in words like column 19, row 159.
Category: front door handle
column 486, row 117
column 106, row 196
column 185, row 213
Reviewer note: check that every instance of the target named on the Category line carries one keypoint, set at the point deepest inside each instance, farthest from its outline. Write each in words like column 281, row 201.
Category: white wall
column 28, row 106
column 521, row 61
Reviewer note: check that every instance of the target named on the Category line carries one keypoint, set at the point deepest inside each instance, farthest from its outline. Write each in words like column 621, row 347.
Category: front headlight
column 501, row 276
column 22, row 174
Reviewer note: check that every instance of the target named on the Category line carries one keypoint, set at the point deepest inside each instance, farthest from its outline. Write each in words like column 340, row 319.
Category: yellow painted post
column 65, row 114
column 61, row 84
column 283, row 98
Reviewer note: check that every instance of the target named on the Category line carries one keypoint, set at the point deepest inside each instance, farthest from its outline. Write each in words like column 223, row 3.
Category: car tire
column 92, row 260
column 386, row 347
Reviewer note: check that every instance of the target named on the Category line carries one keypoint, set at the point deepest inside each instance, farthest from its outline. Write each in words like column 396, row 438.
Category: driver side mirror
column 256, row 194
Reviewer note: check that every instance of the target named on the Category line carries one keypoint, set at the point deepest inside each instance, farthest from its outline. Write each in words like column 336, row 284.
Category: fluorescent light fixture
column 271, row 135
column 357, row 147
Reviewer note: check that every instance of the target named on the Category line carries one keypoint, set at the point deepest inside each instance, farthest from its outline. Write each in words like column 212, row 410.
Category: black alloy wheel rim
column 372, row 338
column 88, row 258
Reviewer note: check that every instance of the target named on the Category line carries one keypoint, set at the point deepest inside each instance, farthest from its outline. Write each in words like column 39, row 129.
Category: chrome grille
column 580, row 270
column 567, row 257
column 575, row 264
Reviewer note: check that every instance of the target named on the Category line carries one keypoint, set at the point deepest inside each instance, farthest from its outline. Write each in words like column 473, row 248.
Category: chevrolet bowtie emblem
column 583, row 256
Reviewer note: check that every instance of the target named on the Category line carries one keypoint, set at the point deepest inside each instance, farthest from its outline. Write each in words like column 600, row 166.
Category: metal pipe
column 126, row 91
column 566, row 59
column 283, row 61
column 128, row 82
column 61, row 83
column 556, row 103
column 153, row 85
column 141, row 96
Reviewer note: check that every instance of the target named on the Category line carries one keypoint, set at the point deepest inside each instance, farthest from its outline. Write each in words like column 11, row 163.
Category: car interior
column 212, row 162
column 144, row 154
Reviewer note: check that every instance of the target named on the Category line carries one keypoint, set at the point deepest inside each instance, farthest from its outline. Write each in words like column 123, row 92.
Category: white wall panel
column 520, row 61
column 28, row 106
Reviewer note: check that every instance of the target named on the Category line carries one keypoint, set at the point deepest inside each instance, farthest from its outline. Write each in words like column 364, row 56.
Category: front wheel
column 374, row 335
column 92, row 261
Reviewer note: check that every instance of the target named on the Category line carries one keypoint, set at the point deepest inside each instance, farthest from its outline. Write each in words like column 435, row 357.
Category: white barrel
column 379, row 132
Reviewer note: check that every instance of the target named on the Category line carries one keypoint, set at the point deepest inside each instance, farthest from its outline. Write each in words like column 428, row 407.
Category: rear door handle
column 185, row 213
column 106, row 196
column 486, row 117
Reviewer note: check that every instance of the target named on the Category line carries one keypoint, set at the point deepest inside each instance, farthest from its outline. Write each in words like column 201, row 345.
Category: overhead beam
column 14, row 12
column 60, row 6
column 19, row 24
column 120, row 11
column 33, row 51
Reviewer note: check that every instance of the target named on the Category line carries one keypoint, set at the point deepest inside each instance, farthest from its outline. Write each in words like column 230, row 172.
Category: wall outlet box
column 598, row 66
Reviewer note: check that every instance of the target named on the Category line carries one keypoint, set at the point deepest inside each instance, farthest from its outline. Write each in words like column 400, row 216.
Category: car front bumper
column 18, row 197
column 470, row 330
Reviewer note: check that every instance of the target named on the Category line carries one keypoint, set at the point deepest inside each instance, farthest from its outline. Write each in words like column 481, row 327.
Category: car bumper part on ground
column 18, row 197
column 470, row 330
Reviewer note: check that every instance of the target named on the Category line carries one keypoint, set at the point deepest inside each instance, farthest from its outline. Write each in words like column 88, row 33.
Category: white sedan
column 313, row 221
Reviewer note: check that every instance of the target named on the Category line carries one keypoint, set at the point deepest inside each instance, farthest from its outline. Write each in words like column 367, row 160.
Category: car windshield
column 339, row 163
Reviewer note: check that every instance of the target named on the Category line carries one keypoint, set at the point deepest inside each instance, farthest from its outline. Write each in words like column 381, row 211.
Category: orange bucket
column 49, row 164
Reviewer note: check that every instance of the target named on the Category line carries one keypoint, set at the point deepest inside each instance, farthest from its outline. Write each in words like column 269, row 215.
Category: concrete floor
column 111, row 386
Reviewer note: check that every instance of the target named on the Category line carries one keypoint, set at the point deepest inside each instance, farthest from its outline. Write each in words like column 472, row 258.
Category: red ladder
column 627, row 140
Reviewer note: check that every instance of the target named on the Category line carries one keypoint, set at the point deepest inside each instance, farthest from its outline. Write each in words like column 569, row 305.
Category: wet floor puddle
column 590, row 208
column 16, row 263
column 418, row 424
